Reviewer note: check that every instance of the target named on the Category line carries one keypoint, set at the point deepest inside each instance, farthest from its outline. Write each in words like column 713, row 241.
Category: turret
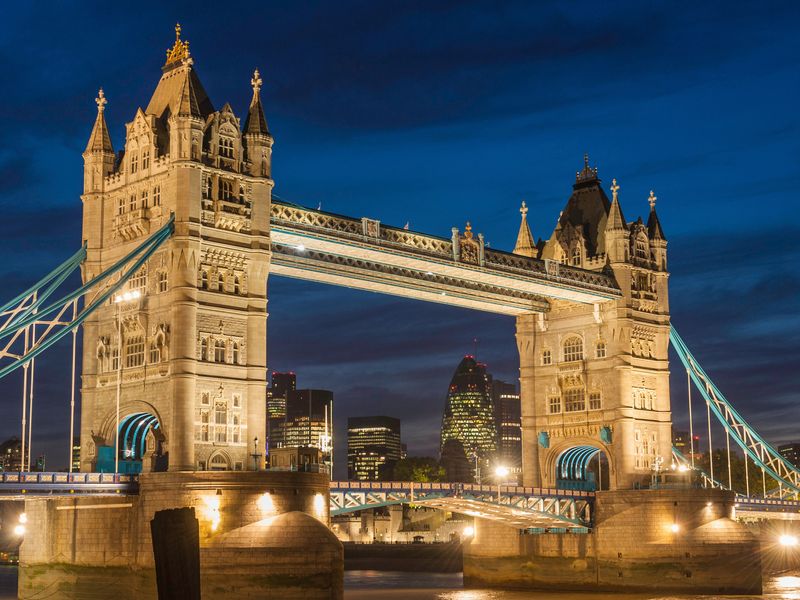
column 257, row 139
column 658, row 242
column 616, row 230
column 98, row 158
column 525, row 244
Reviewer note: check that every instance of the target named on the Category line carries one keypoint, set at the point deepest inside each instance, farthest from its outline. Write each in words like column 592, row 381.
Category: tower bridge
column 180, row 235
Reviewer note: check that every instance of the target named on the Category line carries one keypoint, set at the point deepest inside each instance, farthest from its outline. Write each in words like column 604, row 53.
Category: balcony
column 132, row 224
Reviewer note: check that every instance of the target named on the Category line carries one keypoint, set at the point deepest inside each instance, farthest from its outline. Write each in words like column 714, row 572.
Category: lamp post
column 501, row 472
column 119, row 300
column 256, row 454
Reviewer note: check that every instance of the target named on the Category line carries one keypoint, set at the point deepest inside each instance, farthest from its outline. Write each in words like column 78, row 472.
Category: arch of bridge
column 127, row 409
column 579, row 452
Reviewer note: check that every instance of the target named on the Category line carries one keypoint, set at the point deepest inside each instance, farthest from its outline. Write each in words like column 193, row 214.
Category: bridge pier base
column 642, row 540
column 261, row 534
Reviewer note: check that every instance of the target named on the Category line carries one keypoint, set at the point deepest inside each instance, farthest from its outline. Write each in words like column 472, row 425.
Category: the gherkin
column 468, row 414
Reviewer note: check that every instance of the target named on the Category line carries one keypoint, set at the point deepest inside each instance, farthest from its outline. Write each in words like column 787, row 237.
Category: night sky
column 435, row 113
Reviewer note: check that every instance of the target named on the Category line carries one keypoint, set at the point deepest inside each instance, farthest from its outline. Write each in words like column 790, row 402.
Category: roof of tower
column 100, row 140
column 587, row 208
column 525, row 244
column 654, row 230
column 256, row 123
column 179, row 90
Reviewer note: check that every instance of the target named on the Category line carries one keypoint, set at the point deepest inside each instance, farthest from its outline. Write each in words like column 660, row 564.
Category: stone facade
column 193, row 345
column 598, row 375
column 653, row 540
column 260, row 533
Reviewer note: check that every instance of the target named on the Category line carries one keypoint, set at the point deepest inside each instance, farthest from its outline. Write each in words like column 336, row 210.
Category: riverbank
column 416, row 558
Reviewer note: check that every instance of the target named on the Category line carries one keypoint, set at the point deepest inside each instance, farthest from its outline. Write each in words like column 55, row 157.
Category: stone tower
column 192, row 353
column 597, row 377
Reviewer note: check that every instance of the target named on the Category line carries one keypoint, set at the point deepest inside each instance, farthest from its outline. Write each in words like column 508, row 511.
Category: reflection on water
column 382, row 585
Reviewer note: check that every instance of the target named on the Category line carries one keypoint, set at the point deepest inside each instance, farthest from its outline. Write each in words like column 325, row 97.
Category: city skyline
column 740, row 152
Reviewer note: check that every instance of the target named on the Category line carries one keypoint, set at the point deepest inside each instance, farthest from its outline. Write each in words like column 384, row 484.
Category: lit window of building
column 574, row 400
column 573, row 349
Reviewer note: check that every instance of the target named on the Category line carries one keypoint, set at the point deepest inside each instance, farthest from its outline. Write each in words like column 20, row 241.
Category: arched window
column 204, row 349
column 600, row 349
column 219, row 351
column 138, row 282
column 241, row 194
column 162, row 281
column 221, row 282
column 218, row 463
column 573, row 348
column 226, row 190
column 235, row 353
column 134, row 351
column 225, row 147
column 547, row 357
column 641, row 248
column 576, row 256
column 145, row 159
column 203, row 279
column 134, row 162
column 209, row 189
column 237, row 285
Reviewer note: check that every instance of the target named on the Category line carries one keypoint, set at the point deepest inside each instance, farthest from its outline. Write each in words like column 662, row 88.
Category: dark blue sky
column 437, row 113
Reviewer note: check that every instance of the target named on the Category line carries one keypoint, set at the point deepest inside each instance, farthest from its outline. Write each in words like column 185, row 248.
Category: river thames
column 380, row 585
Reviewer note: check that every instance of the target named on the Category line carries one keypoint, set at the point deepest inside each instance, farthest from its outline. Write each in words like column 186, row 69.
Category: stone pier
column 262, row 534
column 642, row 540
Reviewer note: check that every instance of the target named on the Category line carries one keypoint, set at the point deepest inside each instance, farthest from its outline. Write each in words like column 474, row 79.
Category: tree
column 420, row 469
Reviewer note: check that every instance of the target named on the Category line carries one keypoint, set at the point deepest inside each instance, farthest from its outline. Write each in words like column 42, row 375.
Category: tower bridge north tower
column 188, row 340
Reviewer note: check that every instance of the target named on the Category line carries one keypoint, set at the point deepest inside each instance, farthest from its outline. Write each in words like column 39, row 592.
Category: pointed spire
column 525, row 245
column 100, row 140
column 615, row 218
column 188, row 106
column 256, row 123
column 588, row 173
column 654, row 230
column 180, row 49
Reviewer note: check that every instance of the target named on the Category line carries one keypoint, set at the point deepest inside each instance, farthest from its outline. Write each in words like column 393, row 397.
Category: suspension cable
column 728, row 446
column 710, row 450
column 72, row 387
column 30, row 406
column 24, row 405
column 764, row 481
column 746, row 475
column 691, row 427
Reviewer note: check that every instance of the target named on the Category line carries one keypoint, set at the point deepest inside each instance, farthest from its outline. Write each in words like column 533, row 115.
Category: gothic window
column 209, row 188
column 195, row 150
column 576, row 256
column 236, row 420
column 241, row 194
column 138, row 281
column 204, row 433
column 226, row 191
column 554, row 405
column 573, row 348
column 157, row 195
column 235, row 358
column 219, row 351
column 121, row 205
column 600, row 349
column 641, row 248
column 237, row 402
column 237, row 285
column 225, row 147
column 155, row 354
column 134, row 351
column 162, row 281
column 204, row 417
column 144, row 198
column 574, row 400
column 547, row 357
column 236, row 441
column 145, row 159
column 218, row 463
column 221, row 422
column 204, row 279
column 204, row 349
column 205, row 398
column 134, row 162
column 132, row 202
column 594, row 401
column 115, row 359
column 221, row 282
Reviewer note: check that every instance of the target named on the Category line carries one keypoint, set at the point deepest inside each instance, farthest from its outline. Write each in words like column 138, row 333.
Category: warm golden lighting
column 469, row 531
column 501, row 471
column 789, row 541
column 23, row 518
column 265, row 503
column 674, row 528
column 19, row 530
column 211, row 511
column 319, row 505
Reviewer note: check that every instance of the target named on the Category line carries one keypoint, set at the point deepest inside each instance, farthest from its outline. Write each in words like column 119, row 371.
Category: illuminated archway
column 582, row 468
column 133, row 434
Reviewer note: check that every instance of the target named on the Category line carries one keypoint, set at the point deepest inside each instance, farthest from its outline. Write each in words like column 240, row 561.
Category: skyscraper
column 277, row 394
column 373, row 444
column 508, row 421
column 469, row 413
column 791, row 452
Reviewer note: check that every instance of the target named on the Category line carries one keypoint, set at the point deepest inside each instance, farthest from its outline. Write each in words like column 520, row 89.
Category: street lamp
column 119, row 300
column 502, row 473
column 788, row 541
